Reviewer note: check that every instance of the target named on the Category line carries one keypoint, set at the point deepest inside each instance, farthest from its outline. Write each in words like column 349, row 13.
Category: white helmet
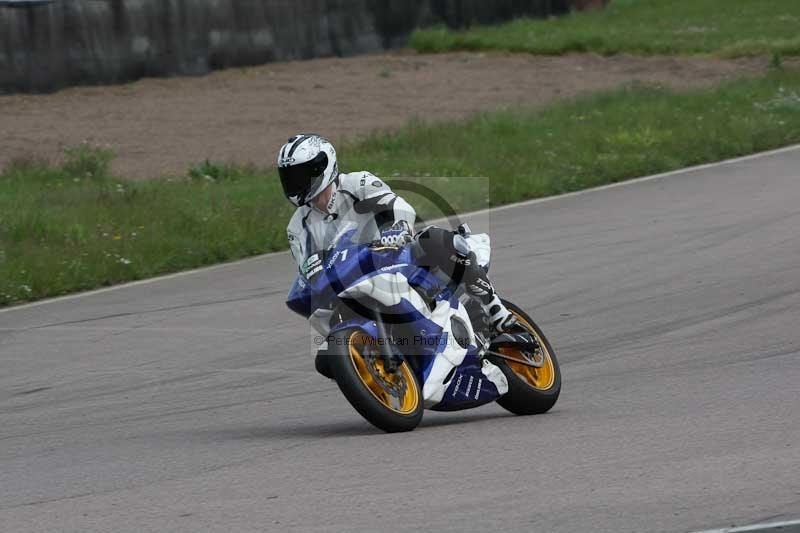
column 307, row 165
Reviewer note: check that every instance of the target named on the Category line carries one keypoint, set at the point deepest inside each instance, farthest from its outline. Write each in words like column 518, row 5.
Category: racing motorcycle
column 373, row 304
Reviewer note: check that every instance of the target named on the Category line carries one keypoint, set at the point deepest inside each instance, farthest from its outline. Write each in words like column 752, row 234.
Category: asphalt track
column 191, row 403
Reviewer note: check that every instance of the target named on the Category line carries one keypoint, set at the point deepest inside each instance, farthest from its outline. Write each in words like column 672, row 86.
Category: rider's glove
column 398, row 235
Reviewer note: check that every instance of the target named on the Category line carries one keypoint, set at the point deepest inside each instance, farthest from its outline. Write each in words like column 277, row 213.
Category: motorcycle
column 373, row 306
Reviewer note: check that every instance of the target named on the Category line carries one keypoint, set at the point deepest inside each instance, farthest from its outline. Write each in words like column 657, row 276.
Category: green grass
column 76, row 227
column 727, row 28
column 65, row 229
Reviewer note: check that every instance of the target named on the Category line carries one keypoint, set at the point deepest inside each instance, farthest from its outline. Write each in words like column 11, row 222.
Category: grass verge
column 75, row 227
column 727, row 28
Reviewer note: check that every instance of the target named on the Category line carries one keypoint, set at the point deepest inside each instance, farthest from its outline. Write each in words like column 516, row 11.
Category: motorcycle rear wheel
column 531, row 391
column 391, row 401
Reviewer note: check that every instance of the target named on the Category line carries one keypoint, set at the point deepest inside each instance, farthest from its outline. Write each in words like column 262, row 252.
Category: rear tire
column 389, row 401
column 530, row 391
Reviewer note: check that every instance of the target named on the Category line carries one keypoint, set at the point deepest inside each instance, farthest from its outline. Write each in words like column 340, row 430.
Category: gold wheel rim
column 539, row 378
column 396, row 390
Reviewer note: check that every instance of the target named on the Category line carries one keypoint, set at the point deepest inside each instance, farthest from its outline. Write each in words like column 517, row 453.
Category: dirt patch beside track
column 162, row 126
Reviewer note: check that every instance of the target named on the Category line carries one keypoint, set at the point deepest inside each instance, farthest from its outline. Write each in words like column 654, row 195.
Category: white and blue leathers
column 359, row 199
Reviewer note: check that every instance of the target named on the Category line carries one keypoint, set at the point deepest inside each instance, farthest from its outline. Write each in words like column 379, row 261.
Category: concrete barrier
column 70, row 42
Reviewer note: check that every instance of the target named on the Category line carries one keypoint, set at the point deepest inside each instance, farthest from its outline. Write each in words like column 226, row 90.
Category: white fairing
column 495, row 375
column 387, row 289
column 320, row 320
column 453, row 355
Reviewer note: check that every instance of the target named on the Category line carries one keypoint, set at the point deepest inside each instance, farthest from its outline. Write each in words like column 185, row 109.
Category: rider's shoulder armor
column 363, row 185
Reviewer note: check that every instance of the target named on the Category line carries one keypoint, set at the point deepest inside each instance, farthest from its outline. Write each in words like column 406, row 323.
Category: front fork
column 392, row 359
column 374, row 324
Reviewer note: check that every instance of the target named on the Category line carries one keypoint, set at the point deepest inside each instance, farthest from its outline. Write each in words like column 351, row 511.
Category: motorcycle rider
column 326, row 199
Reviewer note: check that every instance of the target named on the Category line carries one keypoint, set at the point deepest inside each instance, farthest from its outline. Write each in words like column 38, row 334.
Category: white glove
column 398, row 235
column 395, row 239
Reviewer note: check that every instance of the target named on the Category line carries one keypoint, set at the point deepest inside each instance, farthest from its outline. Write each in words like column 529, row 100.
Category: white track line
column 140, row 282
column 634, row 181
column 754, row 527
column 535, row 201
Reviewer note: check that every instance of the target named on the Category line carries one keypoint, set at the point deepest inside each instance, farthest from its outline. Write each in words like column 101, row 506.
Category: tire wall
column 73, row 42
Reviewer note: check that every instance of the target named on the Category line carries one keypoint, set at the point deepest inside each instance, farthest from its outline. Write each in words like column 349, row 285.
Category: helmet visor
column 299, row 180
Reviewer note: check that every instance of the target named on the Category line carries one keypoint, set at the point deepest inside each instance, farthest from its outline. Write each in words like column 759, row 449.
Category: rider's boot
column 499, row 316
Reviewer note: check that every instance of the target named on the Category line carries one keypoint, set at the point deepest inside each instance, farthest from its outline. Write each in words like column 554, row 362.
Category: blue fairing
column 367, row 326
column 468, row 387
column 347, row 264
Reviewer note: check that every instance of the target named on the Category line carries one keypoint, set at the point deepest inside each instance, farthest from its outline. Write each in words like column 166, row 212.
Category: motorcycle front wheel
column 389, row 400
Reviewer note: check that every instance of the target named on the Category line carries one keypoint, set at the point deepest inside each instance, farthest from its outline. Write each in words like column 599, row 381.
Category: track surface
column 192, row 404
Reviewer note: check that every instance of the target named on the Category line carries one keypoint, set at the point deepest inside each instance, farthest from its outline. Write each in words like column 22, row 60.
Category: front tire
column 391, row 401
column 531, row 391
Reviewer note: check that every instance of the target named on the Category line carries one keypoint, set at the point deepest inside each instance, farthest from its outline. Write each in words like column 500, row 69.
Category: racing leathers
column 358, row 199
